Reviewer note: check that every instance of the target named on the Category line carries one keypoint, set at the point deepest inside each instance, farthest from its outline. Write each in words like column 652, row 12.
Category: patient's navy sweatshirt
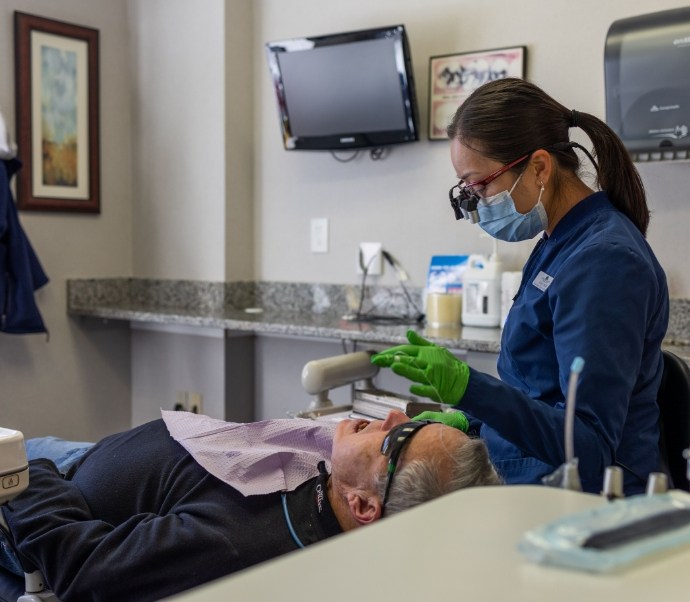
column 138, row 519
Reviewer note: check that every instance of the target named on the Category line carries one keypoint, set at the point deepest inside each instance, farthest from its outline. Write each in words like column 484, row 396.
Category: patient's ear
column 364, row 507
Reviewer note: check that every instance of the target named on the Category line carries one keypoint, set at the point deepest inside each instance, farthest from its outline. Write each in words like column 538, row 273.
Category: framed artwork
column 57, row 92
column 453, row 77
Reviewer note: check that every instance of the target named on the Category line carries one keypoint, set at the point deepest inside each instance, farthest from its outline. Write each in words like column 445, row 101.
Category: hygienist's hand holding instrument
column 439, row 374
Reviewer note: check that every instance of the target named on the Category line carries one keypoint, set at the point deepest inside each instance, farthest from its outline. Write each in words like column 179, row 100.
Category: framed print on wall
column 453, row 77
column 57, row 108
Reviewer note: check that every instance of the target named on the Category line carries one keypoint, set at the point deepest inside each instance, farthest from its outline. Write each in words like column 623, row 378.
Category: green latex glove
column 455, row 418
column 439, row 374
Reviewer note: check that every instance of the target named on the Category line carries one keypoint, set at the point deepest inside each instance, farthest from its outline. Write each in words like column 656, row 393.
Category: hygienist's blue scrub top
column 592, row 289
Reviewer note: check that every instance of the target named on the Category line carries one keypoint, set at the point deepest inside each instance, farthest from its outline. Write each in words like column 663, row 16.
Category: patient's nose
column 394, row 418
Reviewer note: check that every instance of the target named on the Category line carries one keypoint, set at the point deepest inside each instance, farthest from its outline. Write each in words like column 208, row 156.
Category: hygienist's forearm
column 533, row 426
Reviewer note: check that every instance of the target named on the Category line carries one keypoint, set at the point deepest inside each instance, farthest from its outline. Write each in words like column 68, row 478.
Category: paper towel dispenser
column 647, row 71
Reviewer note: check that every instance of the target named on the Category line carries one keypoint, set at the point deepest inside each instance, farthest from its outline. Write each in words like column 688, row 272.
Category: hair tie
column 574, row 119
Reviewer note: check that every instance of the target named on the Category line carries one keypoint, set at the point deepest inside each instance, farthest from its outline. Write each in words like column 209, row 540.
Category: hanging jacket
column 20, row 271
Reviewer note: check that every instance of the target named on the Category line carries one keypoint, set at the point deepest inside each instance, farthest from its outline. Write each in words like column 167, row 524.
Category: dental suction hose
column 575, row 371
column 571, row 475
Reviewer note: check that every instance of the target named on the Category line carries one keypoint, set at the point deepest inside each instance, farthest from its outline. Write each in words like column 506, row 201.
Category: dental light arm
column 319, row 376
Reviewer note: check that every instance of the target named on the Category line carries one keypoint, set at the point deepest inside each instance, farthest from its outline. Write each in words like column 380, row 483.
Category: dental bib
column 257, row 457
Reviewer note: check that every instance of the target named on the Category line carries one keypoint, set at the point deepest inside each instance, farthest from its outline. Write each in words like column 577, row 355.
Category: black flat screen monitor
column 346, row 90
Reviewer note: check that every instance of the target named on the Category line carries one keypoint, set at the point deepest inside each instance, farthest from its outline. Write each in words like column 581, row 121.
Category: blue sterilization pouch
column 614, row 536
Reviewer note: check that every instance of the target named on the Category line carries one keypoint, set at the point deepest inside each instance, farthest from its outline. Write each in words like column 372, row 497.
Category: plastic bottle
column 510, row 284
column 481, row 291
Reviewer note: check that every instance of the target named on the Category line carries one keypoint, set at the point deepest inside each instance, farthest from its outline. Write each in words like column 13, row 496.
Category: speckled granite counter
column 295, row 309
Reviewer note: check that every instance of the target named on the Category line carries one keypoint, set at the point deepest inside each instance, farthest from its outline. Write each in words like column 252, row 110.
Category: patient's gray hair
column 421, row 480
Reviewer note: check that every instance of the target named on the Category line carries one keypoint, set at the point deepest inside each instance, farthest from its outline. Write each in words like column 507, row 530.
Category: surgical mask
column 499, row 218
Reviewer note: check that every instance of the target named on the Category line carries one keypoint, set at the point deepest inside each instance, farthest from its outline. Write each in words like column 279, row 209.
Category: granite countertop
column 294, row 309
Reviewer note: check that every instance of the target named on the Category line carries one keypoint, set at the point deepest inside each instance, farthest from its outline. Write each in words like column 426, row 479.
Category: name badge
column 542, row 281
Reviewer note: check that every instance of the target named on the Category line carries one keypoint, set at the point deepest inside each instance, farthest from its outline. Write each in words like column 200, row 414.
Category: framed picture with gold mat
column 57, row 110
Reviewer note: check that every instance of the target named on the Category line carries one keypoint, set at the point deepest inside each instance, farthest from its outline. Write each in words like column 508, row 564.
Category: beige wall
column 402, row 201
column 77, row 384
column 240, row 241
column 196, row 184
column 193, row 177
column 178, row 92
column 193, row 132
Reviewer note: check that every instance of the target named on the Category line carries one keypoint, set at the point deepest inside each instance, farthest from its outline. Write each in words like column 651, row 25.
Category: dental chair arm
column 319, row 376
column 14, row 468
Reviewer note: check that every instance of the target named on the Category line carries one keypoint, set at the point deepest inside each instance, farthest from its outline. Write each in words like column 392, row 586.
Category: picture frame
column 57, row 115
column 453, row 77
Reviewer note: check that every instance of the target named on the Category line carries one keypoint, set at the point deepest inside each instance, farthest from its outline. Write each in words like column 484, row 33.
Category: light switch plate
column 319, row 235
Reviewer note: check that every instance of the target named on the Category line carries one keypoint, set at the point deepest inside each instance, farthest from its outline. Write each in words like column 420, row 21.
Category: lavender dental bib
column 255, row 457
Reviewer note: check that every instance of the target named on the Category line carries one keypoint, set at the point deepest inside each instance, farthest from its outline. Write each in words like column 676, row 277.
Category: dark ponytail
column 510, row 117
column 616, row 173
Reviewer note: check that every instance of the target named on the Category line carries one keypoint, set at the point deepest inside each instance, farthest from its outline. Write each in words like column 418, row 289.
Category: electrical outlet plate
column 195, row 402
column 370, row 256
column 189, row 401
column 180, row 401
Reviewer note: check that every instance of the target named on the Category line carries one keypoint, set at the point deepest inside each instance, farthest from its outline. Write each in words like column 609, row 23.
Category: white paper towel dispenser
column 647, row 71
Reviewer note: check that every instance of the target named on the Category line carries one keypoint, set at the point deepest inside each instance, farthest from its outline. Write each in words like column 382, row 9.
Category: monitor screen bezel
column 348, row 140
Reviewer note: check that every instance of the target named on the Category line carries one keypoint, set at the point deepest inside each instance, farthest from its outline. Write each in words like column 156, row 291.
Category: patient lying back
column 137, row 517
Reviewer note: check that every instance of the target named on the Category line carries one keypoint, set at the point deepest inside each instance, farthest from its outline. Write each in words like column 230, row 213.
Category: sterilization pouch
column 613, row 536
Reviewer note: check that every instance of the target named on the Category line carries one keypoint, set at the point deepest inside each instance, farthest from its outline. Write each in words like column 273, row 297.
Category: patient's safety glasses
column 393, row 444
column 465, row 196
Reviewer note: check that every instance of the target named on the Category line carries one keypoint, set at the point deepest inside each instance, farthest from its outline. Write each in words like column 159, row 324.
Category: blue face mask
column 499, row 218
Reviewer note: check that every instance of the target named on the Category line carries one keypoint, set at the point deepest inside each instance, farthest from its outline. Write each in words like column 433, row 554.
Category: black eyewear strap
column 392, row 446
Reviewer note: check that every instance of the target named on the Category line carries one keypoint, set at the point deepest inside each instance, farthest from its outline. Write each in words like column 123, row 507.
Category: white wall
column 77, row 384
column 403, row 201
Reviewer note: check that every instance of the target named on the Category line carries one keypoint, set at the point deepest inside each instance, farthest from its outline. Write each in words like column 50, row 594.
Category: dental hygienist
column 592, row 287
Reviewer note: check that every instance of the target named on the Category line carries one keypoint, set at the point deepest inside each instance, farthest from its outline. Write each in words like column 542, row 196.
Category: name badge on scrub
column 542, row 281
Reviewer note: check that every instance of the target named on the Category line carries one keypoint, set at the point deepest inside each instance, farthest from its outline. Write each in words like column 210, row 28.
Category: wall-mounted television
column 345, row 90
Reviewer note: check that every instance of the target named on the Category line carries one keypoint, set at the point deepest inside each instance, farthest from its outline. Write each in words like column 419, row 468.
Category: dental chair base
column 36, row 589
column 14, row 469
column 14, row 478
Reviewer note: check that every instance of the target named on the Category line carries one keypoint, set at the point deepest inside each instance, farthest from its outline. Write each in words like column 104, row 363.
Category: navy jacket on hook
column 20, row 271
